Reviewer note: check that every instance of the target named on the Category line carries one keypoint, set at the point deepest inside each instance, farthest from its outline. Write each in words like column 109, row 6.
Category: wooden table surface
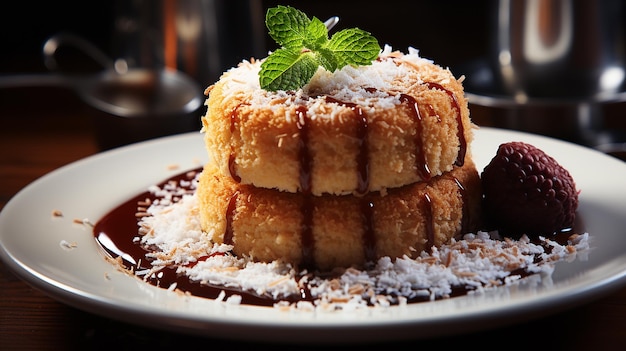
column 42, row 129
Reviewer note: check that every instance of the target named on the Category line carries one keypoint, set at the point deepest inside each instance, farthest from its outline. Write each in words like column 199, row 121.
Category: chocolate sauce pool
column 117, row 230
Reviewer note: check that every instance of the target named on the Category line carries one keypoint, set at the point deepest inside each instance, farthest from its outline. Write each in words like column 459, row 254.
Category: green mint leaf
column 316, row 35
column 287, row 26
column 305, row 46
column 354, row 47
column 287, row 69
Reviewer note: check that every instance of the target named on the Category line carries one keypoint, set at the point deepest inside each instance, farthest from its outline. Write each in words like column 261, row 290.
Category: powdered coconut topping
column 478, row 262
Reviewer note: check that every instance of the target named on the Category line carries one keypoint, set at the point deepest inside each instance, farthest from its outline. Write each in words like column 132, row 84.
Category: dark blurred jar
column 559, row 48
column 554, row 67
column 201, row 38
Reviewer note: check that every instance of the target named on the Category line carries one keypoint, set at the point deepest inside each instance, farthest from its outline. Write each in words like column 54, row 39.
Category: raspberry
column 528, row 192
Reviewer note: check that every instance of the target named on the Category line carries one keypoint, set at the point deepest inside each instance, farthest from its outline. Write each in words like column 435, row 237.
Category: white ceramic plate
column 30, row 243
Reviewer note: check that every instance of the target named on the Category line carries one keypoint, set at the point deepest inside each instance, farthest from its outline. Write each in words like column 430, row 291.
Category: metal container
column 554, row 68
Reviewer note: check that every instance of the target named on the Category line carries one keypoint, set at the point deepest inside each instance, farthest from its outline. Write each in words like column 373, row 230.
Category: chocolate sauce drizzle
column 361, row 135
column 306, row 164
column 369, row 235
column 465, row 220
column 363, row 173
column 427, row 208
column 460, row 133
column 420, row 158
column 231, row 211
column 234, row 116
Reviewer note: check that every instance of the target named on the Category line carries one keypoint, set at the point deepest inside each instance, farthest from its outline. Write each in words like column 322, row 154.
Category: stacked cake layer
column 360, row 163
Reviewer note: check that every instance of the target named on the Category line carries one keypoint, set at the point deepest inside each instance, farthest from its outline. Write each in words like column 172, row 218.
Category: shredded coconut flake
column 66, row 245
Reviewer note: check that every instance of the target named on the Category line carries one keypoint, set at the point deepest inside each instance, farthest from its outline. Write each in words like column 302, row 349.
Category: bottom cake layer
column 324, row 232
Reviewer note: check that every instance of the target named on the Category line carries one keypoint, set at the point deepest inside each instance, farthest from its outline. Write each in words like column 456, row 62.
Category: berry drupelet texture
column 528, row 192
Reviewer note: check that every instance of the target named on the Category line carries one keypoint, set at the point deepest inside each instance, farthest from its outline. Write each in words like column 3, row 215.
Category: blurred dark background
column 455, row 34
column 450, row 32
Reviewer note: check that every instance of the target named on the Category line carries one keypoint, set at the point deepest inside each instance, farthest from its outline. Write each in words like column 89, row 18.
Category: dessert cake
column 360, row 163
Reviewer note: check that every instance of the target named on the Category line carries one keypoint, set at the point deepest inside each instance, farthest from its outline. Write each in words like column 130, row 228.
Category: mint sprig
column 305, row 46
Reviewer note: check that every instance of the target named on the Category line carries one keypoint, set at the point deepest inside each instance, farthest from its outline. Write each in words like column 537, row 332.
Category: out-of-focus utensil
column 130, row 104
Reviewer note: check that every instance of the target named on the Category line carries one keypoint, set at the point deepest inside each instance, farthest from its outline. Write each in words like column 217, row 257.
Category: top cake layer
column 400, row 120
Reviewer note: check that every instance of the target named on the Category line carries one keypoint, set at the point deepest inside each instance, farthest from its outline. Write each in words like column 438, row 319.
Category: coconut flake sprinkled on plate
column 478, row 262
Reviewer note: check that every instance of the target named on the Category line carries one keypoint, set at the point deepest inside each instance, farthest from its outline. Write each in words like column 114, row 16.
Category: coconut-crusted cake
column 361, row 163
column 400, row 120
column 327, row 231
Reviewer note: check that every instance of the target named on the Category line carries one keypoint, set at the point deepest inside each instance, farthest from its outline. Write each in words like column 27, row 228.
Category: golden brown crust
column 267, row 225
column 261, row 141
